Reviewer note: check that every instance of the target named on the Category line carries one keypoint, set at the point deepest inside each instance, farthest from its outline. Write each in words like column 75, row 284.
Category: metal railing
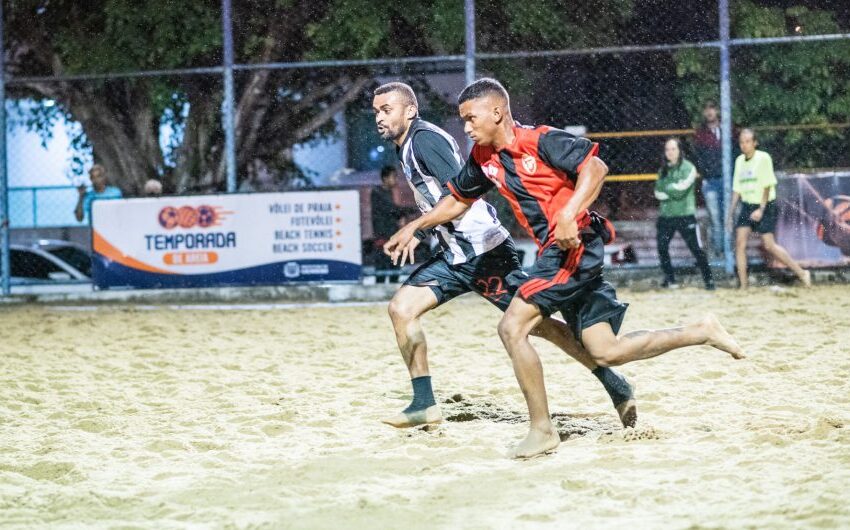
column 42, row 207
column 724, row 44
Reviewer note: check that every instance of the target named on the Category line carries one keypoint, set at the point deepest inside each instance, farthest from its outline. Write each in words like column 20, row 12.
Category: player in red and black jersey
column 550, row 178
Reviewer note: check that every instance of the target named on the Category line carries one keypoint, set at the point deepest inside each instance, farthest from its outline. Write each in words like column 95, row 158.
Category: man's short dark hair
column 710, row 104
column 406, row 92
column 386, row 171
column 483, row 87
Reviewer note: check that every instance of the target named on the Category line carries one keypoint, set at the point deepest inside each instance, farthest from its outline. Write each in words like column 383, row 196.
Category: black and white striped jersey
column 430, row 157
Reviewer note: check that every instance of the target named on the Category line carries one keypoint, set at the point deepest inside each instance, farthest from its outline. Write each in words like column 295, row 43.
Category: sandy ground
column 122, row 417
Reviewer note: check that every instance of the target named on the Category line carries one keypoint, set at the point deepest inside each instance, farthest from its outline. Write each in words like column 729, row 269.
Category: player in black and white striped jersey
column 427, row 155
column 477, row 253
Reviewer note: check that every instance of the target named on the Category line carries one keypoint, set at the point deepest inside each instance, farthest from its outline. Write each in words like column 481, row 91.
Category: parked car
column 49, row 261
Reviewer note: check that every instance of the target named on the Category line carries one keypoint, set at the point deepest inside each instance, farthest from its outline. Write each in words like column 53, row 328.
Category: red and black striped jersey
column 536, row 173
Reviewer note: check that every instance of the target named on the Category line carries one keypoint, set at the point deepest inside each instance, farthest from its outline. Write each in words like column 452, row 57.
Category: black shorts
column 571, row 282
column 484, row 274
column 767, row 225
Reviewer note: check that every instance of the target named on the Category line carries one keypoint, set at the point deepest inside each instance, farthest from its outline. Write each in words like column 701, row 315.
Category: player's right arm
column 731, row 212
column 576, row 157
column 465, row 189
column 434, row 154
column 736, row 195
column 591, row 176
column 445, row 210
column 79, row 209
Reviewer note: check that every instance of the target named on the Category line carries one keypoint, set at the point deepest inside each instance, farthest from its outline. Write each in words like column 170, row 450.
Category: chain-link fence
column 629, row 75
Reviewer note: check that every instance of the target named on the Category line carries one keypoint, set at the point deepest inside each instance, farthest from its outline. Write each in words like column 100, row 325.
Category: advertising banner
column 814, row 217
column 218, row 240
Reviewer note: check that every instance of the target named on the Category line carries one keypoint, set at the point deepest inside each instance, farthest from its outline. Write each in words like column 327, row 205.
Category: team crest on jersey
column 529, row 163
column 491, row 171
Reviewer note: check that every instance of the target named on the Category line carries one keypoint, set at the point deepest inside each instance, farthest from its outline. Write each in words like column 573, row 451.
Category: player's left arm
column 758, row 213
column 576, row 157
column 767, row 178
column 588, row 186
column 436, row 155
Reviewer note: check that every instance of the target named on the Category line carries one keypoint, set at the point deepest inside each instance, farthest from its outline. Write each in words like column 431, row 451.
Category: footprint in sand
column 162, row 446
column 576, row 485
column 640, row 433
column 536, row 518
column 204, row 445
column 59, row 472
column 276, row 429
column 458, row 410
column 92, row 425
column 631, row 435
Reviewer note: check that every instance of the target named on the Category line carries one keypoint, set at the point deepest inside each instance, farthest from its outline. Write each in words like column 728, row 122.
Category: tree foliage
column 782, row 84
column 121, row 118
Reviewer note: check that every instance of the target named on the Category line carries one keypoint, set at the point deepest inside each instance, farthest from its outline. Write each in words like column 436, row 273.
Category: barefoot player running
column 550, row 178
column 476, row 254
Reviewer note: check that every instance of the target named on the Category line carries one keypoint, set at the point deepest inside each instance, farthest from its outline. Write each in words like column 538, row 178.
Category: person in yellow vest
column 754, row 186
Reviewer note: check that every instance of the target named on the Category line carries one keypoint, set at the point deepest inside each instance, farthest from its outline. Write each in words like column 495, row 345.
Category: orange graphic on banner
column 190, row 258
column 110, row 252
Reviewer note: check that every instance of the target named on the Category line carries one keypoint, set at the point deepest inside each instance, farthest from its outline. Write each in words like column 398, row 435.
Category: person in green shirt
column 754, row 186
column 675, row 190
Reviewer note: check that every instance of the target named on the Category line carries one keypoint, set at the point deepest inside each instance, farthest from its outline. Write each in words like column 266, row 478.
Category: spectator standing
column 675, row 190
column 754, row 185
column 386, row 215
column 708, row 155
column 100, row 190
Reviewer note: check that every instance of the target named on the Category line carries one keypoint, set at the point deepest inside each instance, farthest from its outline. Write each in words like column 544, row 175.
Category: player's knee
column 605, row 360
column 508, row 330
column 541, row 330
column 769, row 246
column 400, row 311
column 606, row 356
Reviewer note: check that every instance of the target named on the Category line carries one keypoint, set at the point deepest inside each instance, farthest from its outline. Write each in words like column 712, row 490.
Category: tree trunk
column 201, row 147
column 124, row 141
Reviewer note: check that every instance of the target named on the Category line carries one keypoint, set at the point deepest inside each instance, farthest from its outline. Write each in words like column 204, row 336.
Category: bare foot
column 806, row 278
column 628, row 413
column 412, row 419
column 537, row 442
column 720, row 338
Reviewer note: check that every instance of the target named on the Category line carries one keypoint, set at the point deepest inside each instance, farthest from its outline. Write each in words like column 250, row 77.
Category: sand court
column 268, row 417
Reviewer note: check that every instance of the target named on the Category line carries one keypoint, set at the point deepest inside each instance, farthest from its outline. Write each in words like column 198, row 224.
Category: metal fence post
column 469, row 32
column 227, row 121
column 4, row 188
column 726, row 127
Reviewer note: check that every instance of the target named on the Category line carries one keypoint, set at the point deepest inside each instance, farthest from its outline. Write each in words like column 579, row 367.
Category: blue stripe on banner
column 107, row 274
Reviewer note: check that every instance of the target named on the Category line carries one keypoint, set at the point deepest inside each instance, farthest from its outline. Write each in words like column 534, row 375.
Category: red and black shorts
column 571, row 282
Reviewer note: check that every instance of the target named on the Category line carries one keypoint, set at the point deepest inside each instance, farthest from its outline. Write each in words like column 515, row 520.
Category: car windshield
column 32, row 266
column 74, row 257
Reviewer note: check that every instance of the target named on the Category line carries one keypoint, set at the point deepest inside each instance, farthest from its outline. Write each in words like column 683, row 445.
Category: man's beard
column 389, row 134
